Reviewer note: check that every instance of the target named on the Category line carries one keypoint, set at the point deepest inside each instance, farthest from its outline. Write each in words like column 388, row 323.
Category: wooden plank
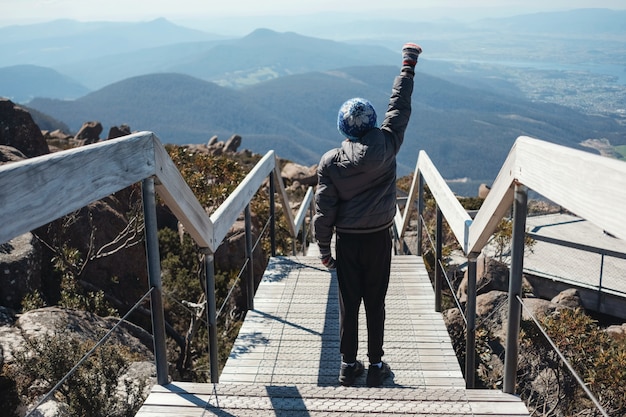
column 167, row 410
column 304, row 207
column 282, row 193
column 494, row 208
column 177, row 195
column 39, row 190
column 457, row 217
column 228, row 212
column 491, row 408
column 310, row 400
column 591, row 186
column 402, row 219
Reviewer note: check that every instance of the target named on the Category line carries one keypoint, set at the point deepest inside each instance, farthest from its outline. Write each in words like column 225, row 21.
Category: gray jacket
column 356, row 191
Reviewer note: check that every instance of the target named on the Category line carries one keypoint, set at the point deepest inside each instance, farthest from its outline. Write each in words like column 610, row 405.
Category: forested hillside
column 467, row 132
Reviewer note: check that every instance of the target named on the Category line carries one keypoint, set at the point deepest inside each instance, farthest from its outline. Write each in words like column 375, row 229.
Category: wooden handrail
column 226, row 214
column 592, row 186
column 457, row 217
column 39, row 190
column 172, row 188
column 36, row 191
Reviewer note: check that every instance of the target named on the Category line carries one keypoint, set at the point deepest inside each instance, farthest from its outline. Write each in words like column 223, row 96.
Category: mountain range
column 467, row 132
column 281, row 90
column 96, row 54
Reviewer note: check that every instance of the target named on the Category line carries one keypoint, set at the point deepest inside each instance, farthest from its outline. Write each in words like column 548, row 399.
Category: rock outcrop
column 18, row 334
column 568, row 298
column 89, row 133
column 491, row 275
column 9, row 154
column 20, row 269
column 216, row 147
column 93, row 231
column 19, row 131
column 118, row 131
column 295, row 175
column 232, row 144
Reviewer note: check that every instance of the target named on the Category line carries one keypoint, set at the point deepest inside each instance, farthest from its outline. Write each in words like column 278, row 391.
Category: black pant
column 363, row 266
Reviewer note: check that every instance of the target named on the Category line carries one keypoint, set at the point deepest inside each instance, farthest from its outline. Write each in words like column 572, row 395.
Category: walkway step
column 285, row 360
column 191, row 400
column 292, row 335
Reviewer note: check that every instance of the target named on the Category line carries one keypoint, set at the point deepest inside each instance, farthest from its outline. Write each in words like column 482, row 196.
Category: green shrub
column 33, row 301
column 598, row 358
column 91, row 391
column 69, row 262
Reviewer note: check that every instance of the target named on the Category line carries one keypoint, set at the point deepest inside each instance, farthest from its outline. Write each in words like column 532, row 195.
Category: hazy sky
column 181, row 11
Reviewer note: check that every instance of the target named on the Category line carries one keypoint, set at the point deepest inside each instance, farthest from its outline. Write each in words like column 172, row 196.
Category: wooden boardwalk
column 285, row 361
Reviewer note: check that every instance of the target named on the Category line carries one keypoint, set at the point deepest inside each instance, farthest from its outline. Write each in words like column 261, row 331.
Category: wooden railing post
column 515, row 288
column 154, row 278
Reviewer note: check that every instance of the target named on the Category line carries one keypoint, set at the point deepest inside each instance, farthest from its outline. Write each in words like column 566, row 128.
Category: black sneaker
column 376, row 375
column 348, row 374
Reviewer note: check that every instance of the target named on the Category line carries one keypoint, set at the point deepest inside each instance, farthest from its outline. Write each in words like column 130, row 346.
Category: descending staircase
column 285, row 361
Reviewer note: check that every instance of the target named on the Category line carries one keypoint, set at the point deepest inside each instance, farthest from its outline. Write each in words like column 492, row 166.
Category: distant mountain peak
column 263, row 34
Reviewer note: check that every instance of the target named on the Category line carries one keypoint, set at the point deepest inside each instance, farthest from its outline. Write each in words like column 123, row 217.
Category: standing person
column 356, row 196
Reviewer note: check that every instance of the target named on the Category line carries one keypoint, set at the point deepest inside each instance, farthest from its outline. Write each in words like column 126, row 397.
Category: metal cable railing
column 238, row 281
column 122, row 162
column 86, row 356
column 569, row 366
column 243, row 268
column 439, row 264
column 114, row 165
column 434, row 243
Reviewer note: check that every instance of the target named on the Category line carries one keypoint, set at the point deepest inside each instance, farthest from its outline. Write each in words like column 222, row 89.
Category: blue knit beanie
column 356, row 117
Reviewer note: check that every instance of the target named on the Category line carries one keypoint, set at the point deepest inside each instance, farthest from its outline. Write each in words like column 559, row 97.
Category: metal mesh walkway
column 285, row 361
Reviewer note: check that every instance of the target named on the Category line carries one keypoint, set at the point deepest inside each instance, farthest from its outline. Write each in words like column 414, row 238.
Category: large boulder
column 616, row 330
column 20, row 269
column 42, row 323
column 18, row 334
column 118, row 131
column 232, row 144
column 492, row 312
column 491, row 275
column 293, row 173
column 9, row 154
column 89, row 133
column 18, row 130
column 113, row 250
column 568, row 298
column 58, row 140
column 214, row 139
column 215, row 147
column 230, row 255
column 52, row 408
column 483, row 191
